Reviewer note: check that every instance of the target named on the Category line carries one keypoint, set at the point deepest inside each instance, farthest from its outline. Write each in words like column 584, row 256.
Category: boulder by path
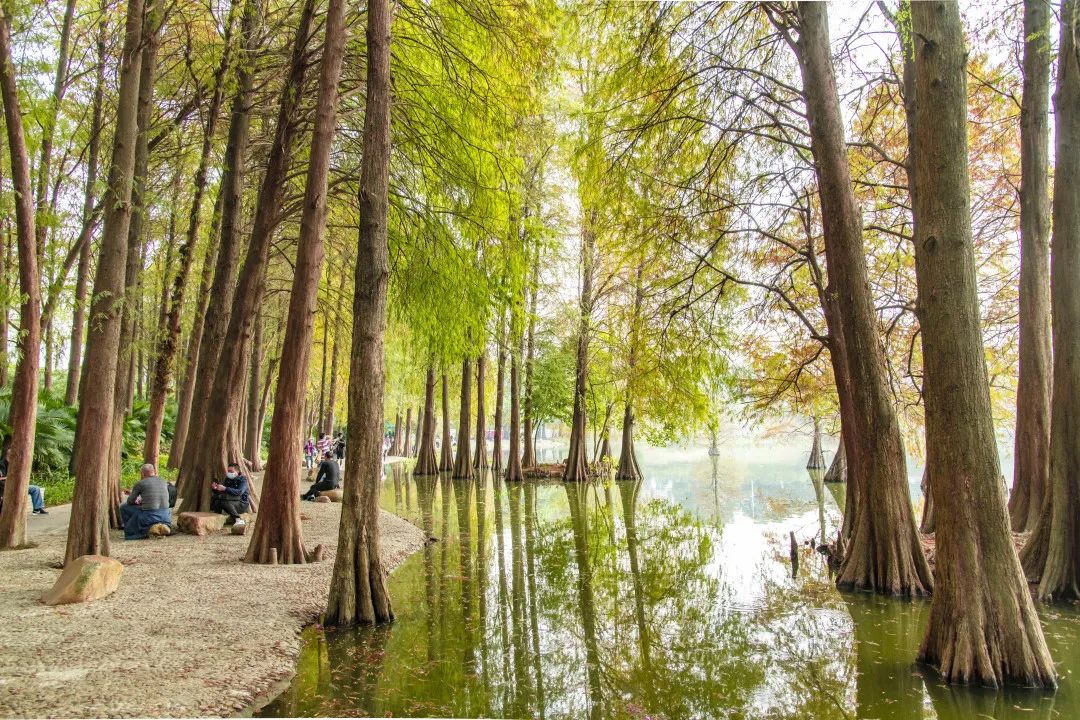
column 190, row 631
column 86, row 578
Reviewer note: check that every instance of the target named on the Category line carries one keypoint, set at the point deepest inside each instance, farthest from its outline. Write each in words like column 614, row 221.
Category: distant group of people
column 151, row 499
column 315, row 450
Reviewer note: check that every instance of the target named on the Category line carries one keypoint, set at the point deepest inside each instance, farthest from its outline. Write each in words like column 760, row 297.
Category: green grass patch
column 59, row 487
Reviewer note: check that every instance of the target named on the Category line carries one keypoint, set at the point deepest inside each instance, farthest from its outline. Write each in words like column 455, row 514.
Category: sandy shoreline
column 191, row 631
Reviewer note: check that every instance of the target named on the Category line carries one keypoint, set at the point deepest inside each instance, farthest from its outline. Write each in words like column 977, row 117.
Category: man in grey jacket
column 147, row 505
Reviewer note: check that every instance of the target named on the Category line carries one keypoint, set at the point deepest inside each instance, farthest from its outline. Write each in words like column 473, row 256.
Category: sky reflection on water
column 670, row 597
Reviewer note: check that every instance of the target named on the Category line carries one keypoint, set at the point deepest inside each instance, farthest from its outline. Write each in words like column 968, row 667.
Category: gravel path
column 191, row 631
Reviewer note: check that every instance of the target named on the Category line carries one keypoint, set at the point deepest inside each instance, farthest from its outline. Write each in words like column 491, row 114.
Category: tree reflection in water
column 592, row 600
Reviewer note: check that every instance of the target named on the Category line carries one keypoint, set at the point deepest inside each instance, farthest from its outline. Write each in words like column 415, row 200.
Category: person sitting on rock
column 147, row 506
column 231, row 496
column 329, row 477
column 37, row 493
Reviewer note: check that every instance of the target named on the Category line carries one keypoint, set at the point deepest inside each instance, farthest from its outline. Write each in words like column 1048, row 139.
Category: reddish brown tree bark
column 885, row 554
column 278, row 530
column 528, row 457
column 23, row 412
column 463, row 461
column 88, row 529
column 166, row 350
column 195, row 469
column 513, row 462
column 358, row 591
column 500, row 375
column 480, row 461
column 983, row 627
column 186, row 393
column 1052, row 555
column 577, row 466
column 1031, row 467
column 217, row 449
column 426, row 463
column 82, row 277
column 446, row 452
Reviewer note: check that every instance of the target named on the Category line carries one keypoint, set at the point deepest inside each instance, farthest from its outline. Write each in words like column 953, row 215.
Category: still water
column 672, row 597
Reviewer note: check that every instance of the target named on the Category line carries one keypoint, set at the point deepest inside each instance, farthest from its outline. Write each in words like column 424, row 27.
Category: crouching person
column 147, row 506
column 231, row 495
column 329, row 477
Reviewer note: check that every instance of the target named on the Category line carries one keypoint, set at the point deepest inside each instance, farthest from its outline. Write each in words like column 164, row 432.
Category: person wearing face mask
column 231, row 495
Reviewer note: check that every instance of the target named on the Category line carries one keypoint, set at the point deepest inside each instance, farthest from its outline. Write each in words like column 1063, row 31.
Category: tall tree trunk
column 446, row 452
column 252, row 429
column 426, row 464
column 628, row 468
column 196, row 471
column 480, row 461
column 528, row 457
column 408, row 432
column 395, row 446
column 23, row 412
column 135, row 256
column 463, row 462
column 328, row 421
column 419, row 430
column 1053, row 553
column 1032, row 450
column 577, row 467
column 5, row 285
column 500, row 375
column 514, row 471
column 628, row 464
column 322, row 378
column 278, row 531
column 885, row 554
column 169, row 341
column 88, row 529
column 928, row 524
column 187, row 389
column 82, row 278
column 48, row 131
column 983, row 627
column 358, row 587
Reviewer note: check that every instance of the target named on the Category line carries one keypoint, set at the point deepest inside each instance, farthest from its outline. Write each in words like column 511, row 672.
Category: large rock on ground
column 200, row 523
column 323, row 499
column 85, row 578
column 334, row 495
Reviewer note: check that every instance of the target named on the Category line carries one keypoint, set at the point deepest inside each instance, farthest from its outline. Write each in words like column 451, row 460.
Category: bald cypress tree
column 983, row 627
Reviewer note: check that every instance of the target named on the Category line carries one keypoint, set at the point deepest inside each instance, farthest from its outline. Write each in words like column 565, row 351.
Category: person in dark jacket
column 339, row 448
column 329, row 477
column 230, row 495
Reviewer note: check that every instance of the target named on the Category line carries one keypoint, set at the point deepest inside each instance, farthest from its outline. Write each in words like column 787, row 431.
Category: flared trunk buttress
column 837, row 471
column 497, row 447
column 278, row 534
column 513, row 462
column 358, row 592
column 480, row 461
column 1053, row 552
column 983, row 628
column 628, row 465
column 426, row 463
column 463, row 461
column 885, row 554
column 446, row 450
